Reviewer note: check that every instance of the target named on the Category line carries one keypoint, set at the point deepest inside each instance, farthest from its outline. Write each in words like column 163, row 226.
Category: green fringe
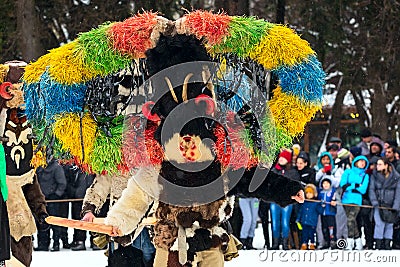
column 107, row 153
column 274, row 140
column 98, row 52
column 244, row 34
column 44, row 139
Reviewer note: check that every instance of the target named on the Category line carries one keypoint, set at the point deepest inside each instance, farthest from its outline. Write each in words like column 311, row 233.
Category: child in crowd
column 326, row 168
column 327, row 195
column 308, row 217
column 354, row 184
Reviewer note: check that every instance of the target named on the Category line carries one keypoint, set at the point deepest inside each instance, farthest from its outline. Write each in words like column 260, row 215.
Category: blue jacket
column 354, row 183
column 309, row 212
column 327, row 196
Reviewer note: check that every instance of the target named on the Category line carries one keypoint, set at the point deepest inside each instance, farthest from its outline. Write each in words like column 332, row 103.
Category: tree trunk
column 336, row 113
column 380, row 117
column 280, row 12
column 28, row 30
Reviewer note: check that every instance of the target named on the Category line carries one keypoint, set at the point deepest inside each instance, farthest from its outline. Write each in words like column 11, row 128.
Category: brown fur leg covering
column 22, row 250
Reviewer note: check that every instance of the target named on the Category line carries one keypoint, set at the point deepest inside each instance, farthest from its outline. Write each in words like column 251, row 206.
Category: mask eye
column 4, row 93
column 146, row 109
column 210, row 105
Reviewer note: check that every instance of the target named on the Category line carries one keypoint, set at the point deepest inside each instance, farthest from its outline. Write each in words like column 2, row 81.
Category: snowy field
column 89, row 258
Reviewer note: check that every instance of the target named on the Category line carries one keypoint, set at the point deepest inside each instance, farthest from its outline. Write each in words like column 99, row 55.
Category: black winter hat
column 326, row 179
column 303, row 155
column 378, row 144
column 355, row 151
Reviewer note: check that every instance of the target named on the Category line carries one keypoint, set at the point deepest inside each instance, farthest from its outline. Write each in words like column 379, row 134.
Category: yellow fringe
column 280, row 46
column 67, row 66
column 67, row 130
column 290, row 113
column 3, row 72
column 34, row 70
column 38, row 159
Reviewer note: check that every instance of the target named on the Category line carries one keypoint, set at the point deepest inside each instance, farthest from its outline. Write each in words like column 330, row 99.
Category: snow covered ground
column 90, row 258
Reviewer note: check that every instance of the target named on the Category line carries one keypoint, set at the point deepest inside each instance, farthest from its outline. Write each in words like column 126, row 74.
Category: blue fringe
column 48, row 98
column 61, row 98
column 34, row 103
column 305, row 80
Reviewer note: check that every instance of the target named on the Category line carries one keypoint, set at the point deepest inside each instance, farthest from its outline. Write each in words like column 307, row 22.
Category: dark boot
column 386, row 244
column 250, row 243
column 79, row 245
column 65, row 243
column 244, row 243
column 56, row 246
column 285, row 244
column 41, row 248
column 275, row 243
column 378, row 244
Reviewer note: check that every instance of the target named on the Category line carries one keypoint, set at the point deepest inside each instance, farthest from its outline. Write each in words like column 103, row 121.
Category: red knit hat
column 286, row 154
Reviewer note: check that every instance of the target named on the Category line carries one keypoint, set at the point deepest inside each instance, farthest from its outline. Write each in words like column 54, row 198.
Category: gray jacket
column 52, row 180
column 385, row 190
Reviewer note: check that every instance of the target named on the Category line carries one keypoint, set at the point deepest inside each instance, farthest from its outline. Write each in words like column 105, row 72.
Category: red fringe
column 137, row 141
column 233, row 152
column 132, row 36
column 213, row 27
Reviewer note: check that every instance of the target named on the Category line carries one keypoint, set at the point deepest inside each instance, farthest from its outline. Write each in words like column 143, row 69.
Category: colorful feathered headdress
column 74, row 101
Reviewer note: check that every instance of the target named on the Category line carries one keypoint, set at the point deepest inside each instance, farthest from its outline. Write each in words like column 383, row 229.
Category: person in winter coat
column 53, row 184
column 249, row 209
column 281, row 216
column 365, row 219
column 308, row 217
column 5, row 238
column 77, row 184
column 307, row 174
column 326, row 168
column 327, row 195
column 354, row 184
column 384, row 191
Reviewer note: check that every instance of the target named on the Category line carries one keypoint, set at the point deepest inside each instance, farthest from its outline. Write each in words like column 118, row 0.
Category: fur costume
column 199, row 127
column 25, row 197
column 4, row 223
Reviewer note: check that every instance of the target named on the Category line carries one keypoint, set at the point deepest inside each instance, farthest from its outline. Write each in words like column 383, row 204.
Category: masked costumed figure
column 26, row 200
column 206, row 133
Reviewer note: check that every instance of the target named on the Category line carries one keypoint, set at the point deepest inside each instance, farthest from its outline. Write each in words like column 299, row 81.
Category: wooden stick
column 82, row 225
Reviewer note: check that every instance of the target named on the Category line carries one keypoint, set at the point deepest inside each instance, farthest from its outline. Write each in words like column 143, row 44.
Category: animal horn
column 185, row 84
column 171, row 89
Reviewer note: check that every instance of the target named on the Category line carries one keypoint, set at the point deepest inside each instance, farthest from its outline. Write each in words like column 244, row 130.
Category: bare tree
column 28, row 27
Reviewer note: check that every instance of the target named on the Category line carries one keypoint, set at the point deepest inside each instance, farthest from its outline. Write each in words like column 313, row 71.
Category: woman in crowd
column 249, row 209
column 281, row 216
column 384, row 191
column 354, row 184
column 307, row 174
